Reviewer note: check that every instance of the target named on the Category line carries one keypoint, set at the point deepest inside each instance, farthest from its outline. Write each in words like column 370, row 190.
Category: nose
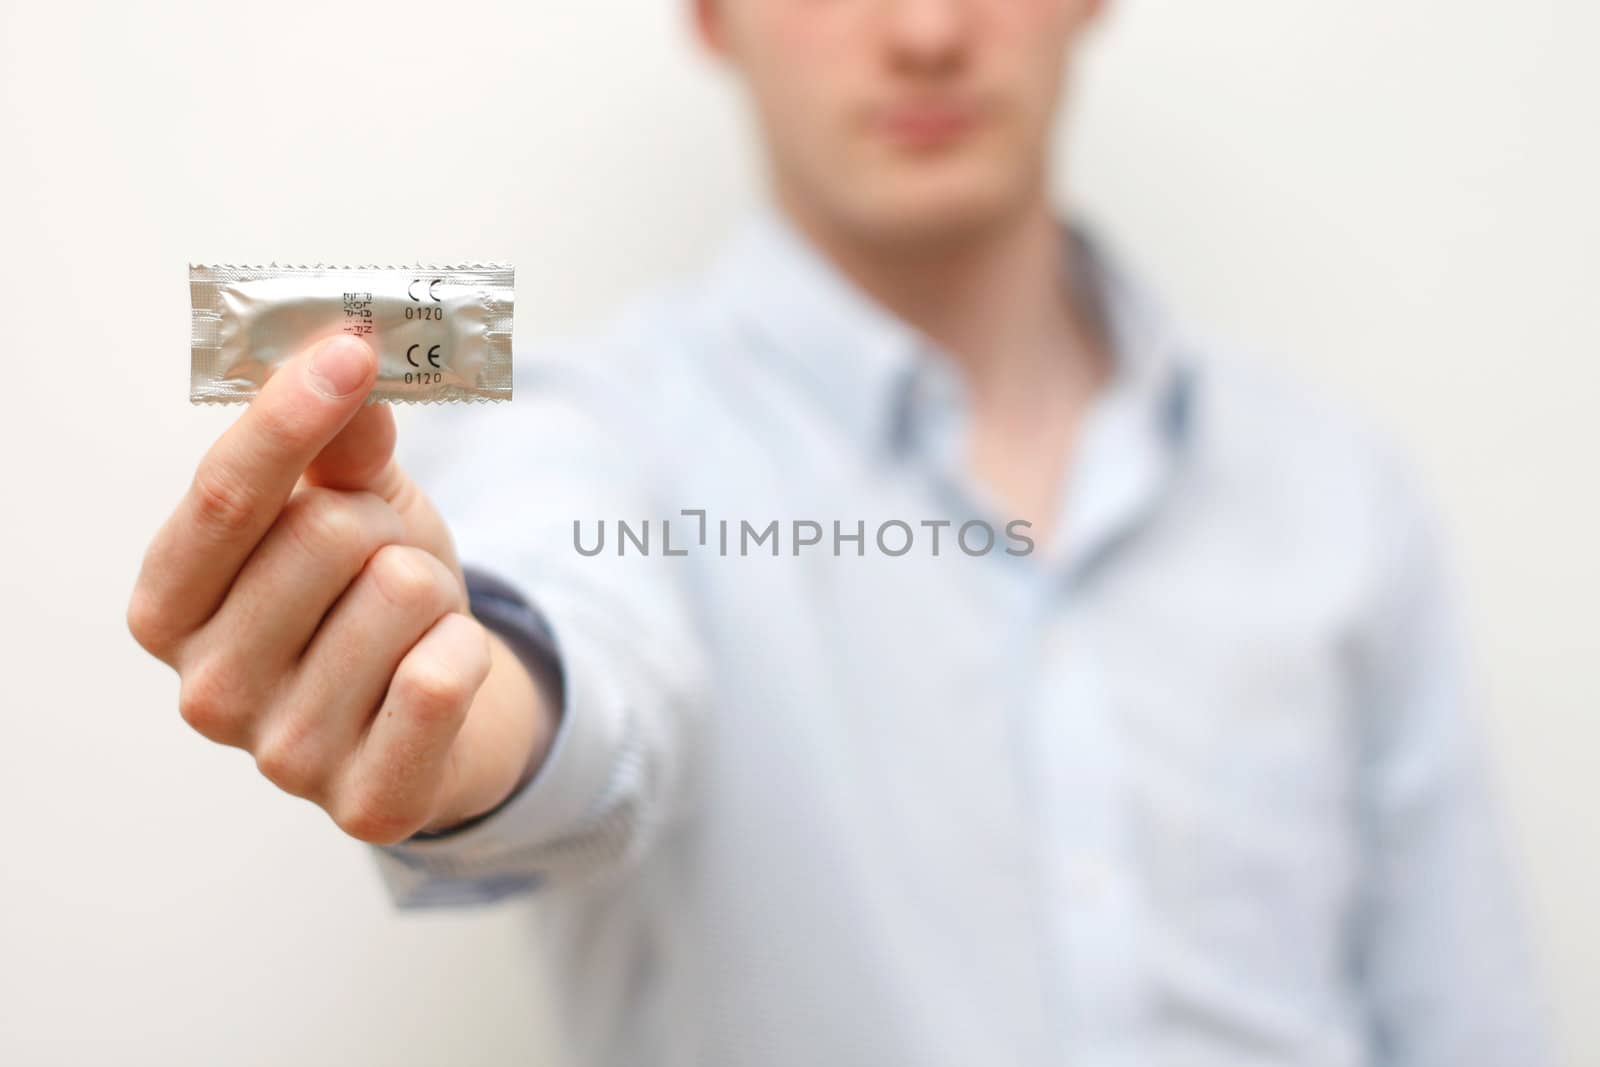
column 926, row 36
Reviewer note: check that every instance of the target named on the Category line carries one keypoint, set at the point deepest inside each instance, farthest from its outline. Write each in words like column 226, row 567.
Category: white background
column 1394, row 198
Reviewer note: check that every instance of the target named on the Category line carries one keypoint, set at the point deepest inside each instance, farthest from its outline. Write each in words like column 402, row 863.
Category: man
column 989, row 671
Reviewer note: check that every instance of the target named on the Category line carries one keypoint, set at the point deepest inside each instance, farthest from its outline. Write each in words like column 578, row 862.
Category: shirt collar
column 866, row 364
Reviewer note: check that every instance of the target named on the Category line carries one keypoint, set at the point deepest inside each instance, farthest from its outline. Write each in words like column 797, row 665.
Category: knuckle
column 223, row 504
column 433, row 690
column 483, row 651
column 288, row 763
column 206, row 701
column 477, row 660
column 320, row 519
column 371, row 817
column 280, row 427
column 410, row 578
column 147, row 622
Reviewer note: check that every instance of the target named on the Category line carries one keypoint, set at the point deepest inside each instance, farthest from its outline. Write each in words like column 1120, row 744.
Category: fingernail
column 339, row 365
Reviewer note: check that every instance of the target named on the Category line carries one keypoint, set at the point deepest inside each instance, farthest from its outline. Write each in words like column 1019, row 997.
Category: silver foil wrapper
column 441, row 333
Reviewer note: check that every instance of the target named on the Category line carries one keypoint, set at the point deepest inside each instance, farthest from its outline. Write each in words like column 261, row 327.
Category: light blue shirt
column 1195, row 782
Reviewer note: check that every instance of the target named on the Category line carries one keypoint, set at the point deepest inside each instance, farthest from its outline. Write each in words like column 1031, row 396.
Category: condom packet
column 442, row 333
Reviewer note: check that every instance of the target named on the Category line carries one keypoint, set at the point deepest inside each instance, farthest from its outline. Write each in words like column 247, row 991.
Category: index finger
column 247, row 474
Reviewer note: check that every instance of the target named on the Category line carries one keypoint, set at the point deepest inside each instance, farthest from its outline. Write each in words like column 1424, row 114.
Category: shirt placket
column 1074, row 758
column 1070, row 751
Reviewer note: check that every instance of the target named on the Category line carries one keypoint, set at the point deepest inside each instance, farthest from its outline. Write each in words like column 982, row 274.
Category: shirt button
column 1089, row 880
column 1060, row 643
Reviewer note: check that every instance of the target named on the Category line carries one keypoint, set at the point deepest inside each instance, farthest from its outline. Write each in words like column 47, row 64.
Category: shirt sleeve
column 515, row 483
column 1442, row 954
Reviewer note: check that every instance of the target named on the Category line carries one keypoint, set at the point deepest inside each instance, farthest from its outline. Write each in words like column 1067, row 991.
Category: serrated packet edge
column 209, row 382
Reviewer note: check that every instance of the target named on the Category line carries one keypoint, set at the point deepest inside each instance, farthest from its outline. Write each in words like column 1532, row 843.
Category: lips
column 926, row 123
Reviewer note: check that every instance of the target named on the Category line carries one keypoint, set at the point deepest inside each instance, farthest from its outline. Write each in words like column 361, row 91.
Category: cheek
column 1030, row 42
column 1037, row 26
column 799, row 57
column 798, row 35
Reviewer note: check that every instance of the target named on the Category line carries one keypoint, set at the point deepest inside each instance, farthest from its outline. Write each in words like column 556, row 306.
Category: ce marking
column 411, row 290
column 432, row 356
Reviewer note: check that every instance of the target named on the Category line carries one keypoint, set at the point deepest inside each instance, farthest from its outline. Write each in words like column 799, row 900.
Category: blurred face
column 902, row 120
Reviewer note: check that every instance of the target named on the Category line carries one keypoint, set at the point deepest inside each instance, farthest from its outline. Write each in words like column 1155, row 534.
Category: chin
column 930, row 204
